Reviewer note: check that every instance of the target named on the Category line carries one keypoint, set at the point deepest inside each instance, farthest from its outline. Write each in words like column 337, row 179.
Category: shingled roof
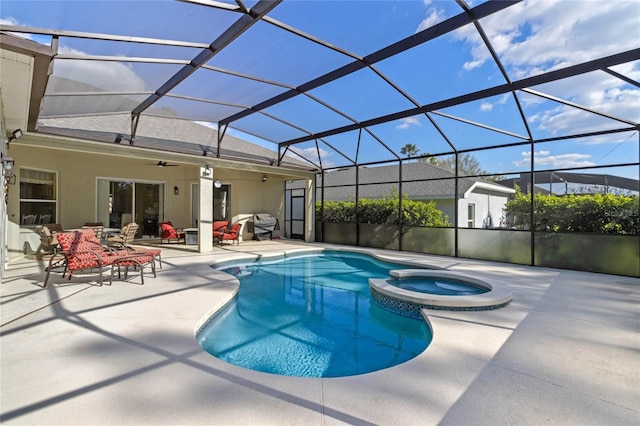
column 166, row 134
column 420, row 181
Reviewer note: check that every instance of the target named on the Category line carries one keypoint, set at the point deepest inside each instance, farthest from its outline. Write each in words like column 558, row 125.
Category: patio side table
column 191, row 236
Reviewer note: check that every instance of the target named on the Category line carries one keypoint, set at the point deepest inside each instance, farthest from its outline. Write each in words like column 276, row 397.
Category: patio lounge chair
column 96, row 227
column 232, row 234
column 219, row 226
column 48, row 240
column 125, row 237
column 128, row 256
column 137, row 260
column 82, row 251
column 168, row 234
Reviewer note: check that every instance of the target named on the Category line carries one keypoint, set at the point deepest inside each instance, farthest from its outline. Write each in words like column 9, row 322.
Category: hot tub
column 410, row 300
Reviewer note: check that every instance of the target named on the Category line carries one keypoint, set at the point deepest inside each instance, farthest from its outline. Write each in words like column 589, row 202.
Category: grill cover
column 263, row 226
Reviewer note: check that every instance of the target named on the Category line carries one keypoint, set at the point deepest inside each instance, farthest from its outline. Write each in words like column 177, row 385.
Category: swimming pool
column 311, row 315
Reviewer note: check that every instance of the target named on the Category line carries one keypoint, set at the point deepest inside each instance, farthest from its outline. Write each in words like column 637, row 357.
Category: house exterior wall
column 486, row 204
column 77, row 174
column 250, row 195
column 446, row 206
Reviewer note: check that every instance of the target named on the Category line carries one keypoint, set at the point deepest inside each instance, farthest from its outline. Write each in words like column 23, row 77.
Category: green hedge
column 597, row 213
column 385, row 211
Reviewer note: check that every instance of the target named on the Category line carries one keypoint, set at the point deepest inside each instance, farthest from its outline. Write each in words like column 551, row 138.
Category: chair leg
column 49, row 268
column 113, row 267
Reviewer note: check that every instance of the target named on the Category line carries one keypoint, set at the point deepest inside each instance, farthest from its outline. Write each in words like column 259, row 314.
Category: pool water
column 439, row 286
column 311, row 316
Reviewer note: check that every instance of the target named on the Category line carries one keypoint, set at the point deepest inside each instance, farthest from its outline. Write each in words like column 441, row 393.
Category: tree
column 410, row 150
column 467, row 164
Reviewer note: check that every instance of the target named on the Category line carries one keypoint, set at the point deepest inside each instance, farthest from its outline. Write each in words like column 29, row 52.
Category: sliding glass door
column 121, row 202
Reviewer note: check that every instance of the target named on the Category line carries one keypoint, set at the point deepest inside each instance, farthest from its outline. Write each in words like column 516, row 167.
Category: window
column 38, row 197
column 471, row 215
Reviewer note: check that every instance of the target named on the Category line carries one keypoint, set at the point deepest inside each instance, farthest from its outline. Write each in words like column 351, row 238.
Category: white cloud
column 311, row 153
column 538, row 36
column 433, row 16
column 486, row 106
column 8, row 21
column 111, row 76
column 405, row 123
column 13, row 21
column 544, row 158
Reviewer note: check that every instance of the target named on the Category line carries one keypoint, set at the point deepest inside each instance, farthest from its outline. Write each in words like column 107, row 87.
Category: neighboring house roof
column 166, row 134
column 420, row 181
column 524, row 181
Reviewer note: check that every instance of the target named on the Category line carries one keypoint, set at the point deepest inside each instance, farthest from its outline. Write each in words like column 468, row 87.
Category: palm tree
column 410, row 150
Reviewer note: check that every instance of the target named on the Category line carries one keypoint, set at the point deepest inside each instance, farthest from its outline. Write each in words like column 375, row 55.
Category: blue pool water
column 437, row 285
column 312, row 316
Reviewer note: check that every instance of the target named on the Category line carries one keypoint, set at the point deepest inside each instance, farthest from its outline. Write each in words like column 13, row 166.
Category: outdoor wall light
column 217, row 183
column 207, row 170
column 264, row 178
column 17, row 134
column 7, row 165
column 176, row 190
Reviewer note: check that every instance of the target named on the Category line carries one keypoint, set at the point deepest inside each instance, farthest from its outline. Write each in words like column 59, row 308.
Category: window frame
column 54, row 200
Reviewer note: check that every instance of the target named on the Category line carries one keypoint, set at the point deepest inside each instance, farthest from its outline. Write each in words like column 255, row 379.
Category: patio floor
column 565, row 351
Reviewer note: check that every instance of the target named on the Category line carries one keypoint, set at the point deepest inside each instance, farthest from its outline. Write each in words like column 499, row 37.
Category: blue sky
column 530, row 38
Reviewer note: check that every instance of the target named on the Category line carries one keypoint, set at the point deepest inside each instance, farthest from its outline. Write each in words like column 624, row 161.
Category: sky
column 530, row 38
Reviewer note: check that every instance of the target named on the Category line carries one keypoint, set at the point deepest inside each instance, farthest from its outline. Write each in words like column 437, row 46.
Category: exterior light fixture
column 17, row 134
column 176, row 190
column 7, row 164
column 7, row 172
column 264, row 178
column 207, row 170
column 217, row 183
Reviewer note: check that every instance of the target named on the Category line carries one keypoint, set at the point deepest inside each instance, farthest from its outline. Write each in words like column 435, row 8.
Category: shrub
column 385, row 211
column 597, row 213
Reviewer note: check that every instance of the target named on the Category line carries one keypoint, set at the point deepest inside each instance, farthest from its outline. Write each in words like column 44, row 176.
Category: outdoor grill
column 263, row 226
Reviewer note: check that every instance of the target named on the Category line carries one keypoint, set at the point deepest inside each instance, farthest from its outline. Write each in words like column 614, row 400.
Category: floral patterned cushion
column 82, row 252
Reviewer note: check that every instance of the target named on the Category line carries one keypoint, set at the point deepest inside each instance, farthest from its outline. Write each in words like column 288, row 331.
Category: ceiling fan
column 162, row 164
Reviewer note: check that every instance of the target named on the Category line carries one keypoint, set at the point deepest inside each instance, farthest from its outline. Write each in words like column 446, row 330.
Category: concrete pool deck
column 566, row 350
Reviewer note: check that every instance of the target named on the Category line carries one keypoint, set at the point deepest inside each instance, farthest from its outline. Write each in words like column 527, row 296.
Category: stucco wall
column 485, row 203
column 77, row 175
